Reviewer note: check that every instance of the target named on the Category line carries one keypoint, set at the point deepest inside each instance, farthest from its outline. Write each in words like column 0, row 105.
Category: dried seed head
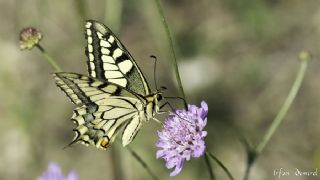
column 29, row 37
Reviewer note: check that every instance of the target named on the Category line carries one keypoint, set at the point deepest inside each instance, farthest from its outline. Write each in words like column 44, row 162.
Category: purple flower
column 54, row 173
column 182, row 136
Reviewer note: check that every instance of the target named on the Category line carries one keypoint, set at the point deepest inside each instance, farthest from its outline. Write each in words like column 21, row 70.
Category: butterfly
column 114, row 96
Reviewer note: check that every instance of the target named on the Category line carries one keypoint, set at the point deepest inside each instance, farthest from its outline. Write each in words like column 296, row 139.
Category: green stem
column 113, row 14
column 284, row 109
column 49, row 59
column 174, row 59
column 143, row 164
column 116, row 159
column 250, row 160
column 209, row 166
column 221, row 165
column 82, row 12
column 304, row 57
column 246, row 174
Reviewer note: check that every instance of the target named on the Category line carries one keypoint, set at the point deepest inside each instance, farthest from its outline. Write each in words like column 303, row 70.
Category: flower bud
column 305, row 55
column 29, row 37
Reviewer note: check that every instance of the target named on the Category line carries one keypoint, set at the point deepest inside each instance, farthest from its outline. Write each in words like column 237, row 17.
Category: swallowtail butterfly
column 114, row 96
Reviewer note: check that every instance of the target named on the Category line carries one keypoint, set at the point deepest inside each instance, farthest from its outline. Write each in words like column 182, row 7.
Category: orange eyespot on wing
column 105, row 142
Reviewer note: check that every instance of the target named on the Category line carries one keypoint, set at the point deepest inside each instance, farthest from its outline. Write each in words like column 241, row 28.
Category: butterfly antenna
column 154, row 70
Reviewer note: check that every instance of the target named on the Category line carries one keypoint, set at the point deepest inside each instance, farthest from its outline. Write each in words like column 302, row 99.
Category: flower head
column 29, row 37
column 182, row 136
column 54, row 173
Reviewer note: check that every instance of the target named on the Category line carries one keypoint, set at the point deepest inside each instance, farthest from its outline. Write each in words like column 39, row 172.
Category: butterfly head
column 157, row 97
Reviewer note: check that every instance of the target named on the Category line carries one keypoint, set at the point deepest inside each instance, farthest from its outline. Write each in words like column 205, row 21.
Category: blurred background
column 240, row 56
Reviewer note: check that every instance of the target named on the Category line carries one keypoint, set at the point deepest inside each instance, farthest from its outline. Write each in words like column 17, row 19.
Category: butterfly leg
column 172, row 110
column 162, row 106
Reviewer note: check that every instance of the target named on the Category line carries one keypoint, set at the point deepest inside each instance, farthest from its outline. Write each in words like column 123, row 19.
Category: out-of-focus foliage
column 237, row 55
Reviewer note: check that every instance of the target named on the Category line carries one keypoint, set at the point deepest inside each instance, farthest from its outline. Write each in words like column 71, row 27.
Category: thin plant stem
column 143, row 164
column 283, row 111
column 81, row 10
column 49, row 59
column 247, row 172
column 209, row 166
column 174, row 58
column 113, row 14
column 225, row 169
column 116, row 163
column 253, row 155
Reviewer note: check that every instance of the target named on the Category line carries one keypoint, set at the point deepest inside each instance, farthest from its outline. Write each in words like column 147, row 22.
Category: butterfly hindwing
column 104, row 108
column 109, row 60
column 98, row 127
column 131, row 130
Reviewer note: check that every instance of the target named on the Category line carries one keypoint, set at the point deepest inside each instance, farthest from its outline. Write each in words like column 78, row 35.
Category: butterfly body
column 114, row 96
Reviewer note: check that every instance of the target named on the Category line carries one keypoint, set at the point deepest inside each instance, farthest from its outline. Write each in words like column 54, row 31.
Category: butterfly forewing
column 109, row 60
